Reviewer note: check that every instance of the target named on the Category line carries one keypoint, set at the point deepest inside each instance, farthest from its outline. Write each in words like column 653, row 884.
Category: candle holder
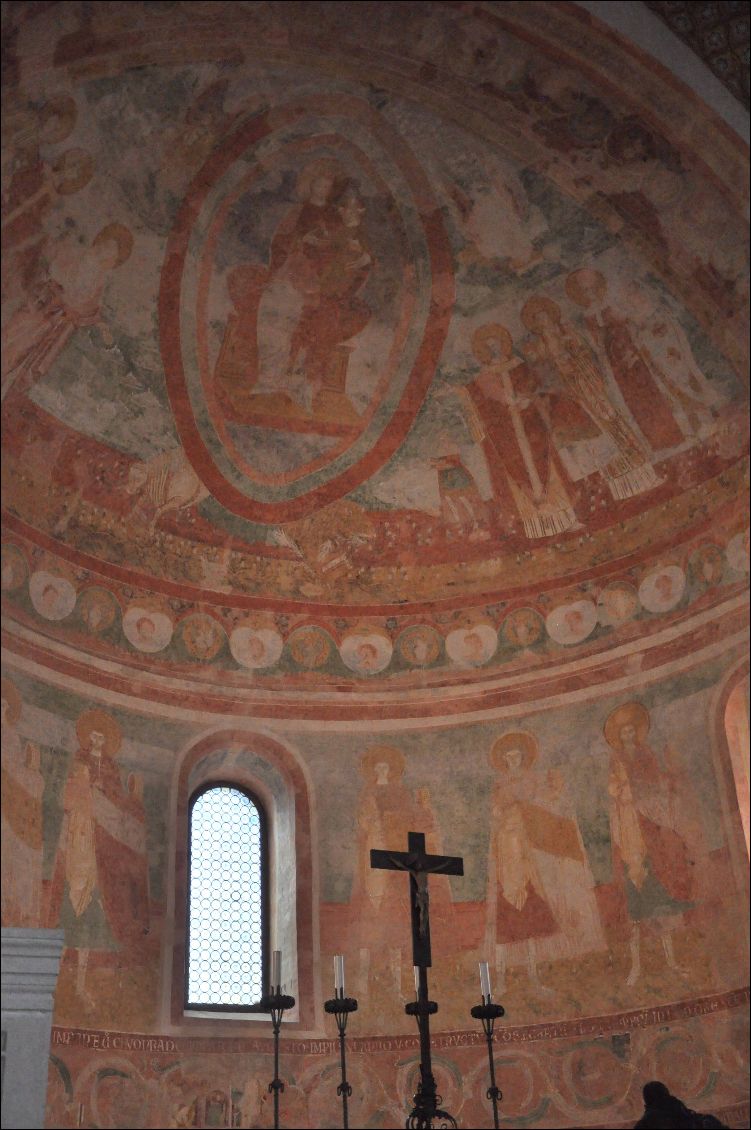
column 340, row 1007
column 488, row 1013
column 426, row 1112
column 276, row 1003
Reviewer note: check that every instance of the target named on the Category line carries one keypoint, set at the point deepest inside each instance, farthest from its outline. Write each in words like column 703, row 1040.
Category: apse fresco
column 599, row 876
column 375, row 425
column 300, row 340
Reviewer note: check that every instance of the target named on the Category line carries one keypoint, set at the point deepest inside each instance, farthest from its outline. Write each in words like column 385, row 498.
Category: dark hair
column 655, row 1093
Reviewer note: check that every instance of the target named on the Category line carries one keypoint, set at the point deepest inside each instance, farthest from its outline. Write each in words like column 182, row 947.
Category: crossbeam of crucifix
column 419, row 865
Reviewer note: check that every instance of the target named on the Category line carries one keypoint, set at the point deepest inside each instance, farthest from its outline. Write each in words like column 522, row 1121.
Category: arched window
column 268, row 774
column 227, row 918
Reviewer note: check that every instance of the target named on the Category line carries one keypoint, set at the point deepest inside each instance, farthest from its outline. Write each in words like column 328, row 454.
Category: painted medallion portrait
column 202, row 637
column 524, row 627
column 661, row 590
column 53, row 597
column 473, row 645
column 707, row 565
column 419, row 646
column 617, row 604
column 147, row 629
column 98, row 609
column 255, row 647
column 310, row 647
column 571, row 623
column 737, row 552
column 13, row 568
column 366, row 653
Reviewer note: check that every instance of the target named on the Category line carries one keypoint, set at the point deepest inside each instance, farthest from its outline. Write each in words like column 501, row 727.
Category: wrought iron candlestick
column 340, row 1007
column 277, row 1003
column 426, row 1112
column 488, row 1013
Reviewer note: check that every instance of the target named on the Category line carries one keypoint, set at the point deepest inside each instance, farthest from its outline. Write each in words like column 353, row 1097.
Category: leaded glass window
column 226, row 953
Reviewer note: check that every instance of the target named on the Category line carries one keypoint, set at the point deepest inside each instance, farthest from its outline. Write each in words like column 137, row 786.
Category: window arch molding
column 266, row 769
column 729, row 774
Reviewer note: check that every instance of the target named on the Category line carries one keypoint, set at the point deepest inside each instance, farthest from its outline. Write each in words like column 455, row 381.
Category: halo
column 482, row 338
column 315, row 639
column 584, row 282
column 539, row 304
column 13, row 699
column 104, row 723
column 510, row 625
column 631, row 713
column 121, row 235
column 377, row 754
column 521, row 740
column 64, row 109
column 75, row 168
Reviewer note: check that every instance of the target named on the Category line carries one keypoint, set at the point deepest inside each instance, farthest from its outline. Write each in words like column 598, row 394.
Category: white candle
column 417, row 980
column 276, row 970
column 485, row 980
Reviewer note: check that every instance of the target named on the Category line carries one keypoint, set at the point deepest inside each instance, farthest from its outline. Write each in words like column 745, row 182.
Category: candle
column 484, row 980
column 339, row 974
column 276, row 970
column 417, row 981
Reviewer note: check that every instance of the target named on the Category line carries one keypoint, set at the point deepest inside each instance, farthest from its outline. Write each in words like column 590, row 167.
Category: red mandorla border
column 170, row 294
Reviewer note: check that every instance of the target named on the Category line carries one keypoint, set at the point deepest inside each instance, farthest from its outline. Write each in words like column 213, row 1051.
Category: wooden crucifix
column 419, row 865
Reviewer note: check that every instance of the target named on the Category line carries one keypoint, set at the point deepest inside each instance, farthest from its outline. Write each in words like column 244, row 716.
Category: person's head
column 473, row 647
column 664, row 586
column 514, row 753
column 72, row 171
column 627, row 735
column 492, row 342
column 655, row 1094
column 146, row 627
column 99, row 733
column 320, row 188
column 637, row 299
column 367, row 656
column 627, row 726
column 96, row 742
column 318, row 180
column 56, row 120
column 382, row 770
column 540, row 314
column 113, row 245
column 382, row 765
column 255, row 648
column 94, row 615
column 586, row 287
column 574, row 620
column 49, row 597
column 525, row 627
column 351, row 209
column 514, row 759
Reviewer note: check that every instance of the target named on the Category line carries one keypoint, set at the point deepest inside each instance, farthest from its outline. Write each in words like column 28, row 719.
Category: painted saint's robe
column 100, row 884
column 540, row 885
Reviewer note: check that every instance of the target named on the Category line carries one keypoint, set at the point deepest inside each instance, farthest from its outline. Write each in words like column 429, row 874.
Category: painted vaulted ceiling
column 399, row 352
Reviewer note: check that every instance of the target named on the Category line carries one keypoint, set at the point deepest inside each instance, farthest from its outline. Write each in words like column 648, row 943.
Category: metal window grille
column 226, row 900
